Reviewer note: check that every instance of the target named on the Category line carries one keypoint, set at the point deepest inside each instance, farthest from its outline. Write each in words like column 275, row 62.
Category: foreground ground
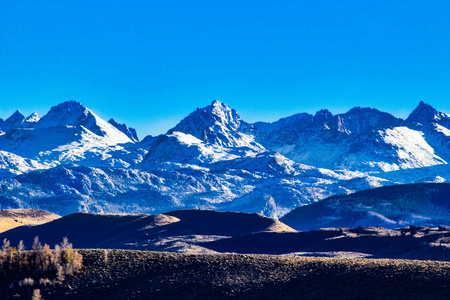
column 126, row 274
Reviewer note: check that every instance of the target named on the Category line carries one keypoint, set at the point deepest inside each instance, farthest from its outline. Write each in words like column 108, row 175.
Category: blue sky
column 150, row 63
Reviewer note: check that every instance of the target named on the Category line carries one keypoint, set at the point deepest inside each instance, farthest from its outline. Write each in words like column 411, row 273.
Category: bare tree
column 21, row 246
column 6, row 245
column 37, row 244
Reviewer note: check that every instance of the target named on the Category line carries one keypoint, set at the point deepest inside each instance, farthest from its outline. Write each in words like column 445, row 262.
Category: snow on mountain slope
column 34, row 142
column 214, row 160
column 435, row 127
column 207, row 135
column 70, row 188
column 432, row 174
column 128, row 131
column 217, row 124
column 363, row 120
column 11, row 164
column 270, row 163
column 68, row 133
column 72, row 113
column 63, row 144
column 362, row 139
column 18, row 120
column 33, row 118
column 179, row 147
column 412, row 149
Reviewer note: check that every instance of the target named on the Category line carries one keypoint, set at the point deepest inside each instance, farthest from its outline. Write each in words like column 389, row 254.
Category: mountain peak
column 359, row 109
column 424, row 107
column 33, row 118
column 424, row 114
column 17, row 116
column 71, row 106
column 73, row 113
column 216, row 115
column 323, row 112
column 216, row 124
column 217, row 103
column 14, row 121
column 69, row 113
column 365, row 119
column 322, row 118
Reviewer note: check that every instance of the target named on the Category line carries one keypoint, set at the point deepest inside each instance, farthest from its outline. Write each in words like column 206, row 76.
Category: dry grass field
column 127, row 274
column 12, row 218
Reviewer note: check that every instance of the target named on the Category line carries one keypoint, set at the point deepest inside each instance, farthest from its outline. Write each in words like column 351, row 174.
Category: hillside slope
column 195, row 231
column 12, row 218
column 426, row 204
column 174, row 231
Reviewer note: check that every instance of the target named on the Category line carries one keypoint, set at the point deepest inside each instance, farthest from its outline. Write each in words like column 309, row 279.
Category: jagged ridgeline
column 71, row 160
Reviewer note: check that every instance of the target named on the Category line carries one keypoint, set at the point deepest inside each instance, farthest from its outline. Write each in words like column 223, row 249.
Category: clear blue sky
column 150, row 63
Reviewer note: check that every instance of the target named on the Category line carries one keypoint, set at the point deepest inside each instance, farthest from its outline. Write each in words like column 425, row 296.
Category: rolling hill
column 426, row 204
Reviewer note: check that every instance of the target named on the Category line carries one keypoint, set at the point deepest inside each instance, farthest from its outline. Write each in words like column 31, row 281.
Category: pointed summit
column 216, row 124
column 73, row 113
column 205, row 122
column 425, row 114
column 14, row 121
column 424, row 109
column 33, row 118
column 16, row 117
column 68, row 113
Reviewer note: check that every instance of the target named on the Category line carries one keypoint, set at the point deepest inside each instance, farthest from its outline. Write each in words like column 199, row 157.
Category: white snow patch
column 381, row 217
column 412, row 149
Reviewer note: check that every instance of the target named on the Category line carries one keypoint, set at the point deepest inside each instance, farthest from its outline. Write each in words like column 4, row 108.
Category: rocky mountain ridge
column 71, row 160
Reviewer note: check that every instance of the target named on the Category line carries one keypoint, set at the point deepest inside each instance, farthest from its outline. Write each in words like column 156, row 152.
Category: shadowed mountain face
column 213, row 159
column 391, row 207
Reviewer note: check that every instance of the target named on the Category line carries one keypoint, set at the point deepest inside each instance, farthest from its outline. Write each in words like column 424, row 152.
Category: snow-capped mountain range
column 71, row 160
